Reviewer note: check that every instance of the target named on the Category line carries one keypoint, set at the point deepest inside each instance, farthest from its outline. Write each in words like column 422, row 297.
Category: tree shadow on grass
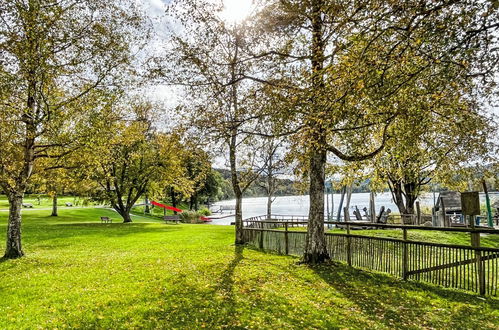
column 399, row 304
column 187, row 305
column 226, row 284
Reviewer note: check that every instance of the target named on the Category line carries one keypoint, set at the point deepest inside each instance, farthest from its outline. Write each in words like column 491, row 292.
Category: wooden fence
column 472, row 268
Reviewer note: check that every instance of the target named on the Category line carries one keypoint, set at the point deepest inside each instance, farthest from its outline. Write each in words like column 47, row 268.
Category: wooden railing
column 472, row 268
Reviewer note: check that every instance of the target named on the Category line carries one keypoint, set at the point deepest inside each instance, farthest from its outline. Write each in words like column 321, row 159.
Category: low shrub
column 190, row 217
column 204, row 212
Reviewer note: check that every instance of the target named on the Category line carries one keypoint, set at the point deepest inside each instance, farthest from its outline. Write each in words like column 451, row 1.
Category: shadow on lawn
column 187, row 305
column 226, row 284
column 393, row 301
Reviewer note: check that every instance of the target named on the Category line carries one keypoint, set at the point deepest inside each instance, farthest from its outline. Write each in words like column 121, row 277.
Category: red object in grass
column 166, row 206
column 205, row 219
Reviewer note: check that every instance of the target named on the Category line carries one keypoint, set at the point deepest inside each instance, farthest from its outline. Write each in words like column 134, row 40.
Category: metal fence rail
column 472, row 268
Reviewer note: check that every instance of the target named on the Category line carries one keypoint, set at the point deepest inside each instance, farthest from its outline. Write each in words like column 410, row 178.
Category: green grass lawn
column 80, row 273
column 43, row 201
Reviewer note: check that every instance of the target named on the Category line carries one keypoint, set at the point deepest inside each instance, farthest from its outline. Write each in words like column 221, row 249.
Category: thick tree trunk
column 315, row 245
column 398, row 196
column 54, row 206
column 126, row 217
column 405, row 196
column 14, row 247
column 410, row 197
column 124, row 213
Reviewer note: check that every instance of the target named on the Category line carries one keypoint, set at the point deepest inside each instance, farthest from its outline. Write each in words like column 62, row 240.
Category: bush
column 204, row 212
column 190, row 217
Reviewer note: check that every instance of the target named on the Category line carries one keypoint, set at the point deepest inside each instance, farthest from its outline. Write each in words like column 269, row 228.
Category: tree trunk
column 239, row 219
column 398, row 197
column 233, row 146
column 126, row 217
column 174, row 199
column 147, row 209
column 14, row 247
column 54, row 206
column 410, row 197
column 348, row 196
column 237, row 188
column 340, row 206
column 124, row 213
column 269, row 206
column 315, row 245
column 270, row 189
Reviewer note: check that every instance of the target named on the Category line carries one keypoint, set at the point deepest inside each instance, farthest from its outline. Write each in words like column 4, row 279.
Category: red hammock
column 171, row 208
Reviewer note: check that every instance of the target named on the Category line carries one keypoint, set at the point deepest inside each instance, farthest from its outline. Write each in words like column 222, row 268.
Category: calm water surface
column 298, row 205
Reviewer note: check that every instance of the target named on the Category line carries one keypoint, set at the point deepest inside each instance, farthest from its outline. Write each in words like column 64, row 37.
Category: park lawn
column 83, row 274
column 44, row 202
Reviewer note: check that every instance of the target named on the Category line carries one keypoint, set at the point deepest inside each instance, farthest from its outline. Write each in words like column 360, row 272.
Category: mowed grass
column 80, row 273
column 43, row 202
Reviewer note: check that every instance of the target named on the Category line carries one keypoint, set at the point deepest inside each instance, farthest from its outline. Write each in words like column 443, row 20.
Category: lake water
column 299, row 205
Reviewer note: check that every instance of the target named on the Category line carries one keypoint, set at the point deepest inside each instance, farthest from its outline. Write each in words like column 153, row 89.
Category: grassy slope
column 81, row 273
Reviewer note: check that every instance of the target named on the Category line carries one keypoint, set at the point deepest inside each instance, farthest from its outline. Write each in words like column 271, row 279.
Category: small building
column 451, row 201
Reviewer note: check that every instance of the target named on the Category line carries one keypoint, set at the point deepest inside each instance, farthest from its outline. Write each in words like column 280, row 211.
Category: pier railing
column 474, row 267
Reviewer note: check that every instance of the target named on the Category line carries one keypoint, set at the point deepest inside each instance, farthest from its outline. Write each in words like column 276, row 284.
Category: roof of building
column 451, row 199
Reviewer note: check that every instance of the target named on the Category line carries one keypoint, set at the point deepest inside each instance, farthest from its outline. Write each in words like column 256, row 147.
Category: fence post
column 405, row 255
column 261, row 235
column 475, row 242
column 286, row 240
column 349, row 248
column 418, row 213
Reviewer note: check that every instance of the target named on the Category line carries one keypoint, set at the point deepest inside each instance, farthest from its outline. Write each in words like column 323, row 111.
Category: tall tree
column 439, row 133
column 271, row 156
column 52, row 55
column 128, row 156
column 354, row 59
column 210, row 61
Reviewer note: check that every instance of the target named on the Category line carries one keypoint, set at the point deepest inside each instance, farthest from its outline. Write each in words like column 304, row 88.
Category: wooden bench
column 28, row 205
column 171, row 218
column 106, row 220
